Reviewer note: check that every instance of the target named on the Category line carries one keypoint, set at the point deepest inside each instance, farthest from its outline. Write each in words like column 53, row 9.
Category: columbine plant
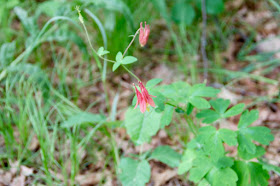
column 205, row 160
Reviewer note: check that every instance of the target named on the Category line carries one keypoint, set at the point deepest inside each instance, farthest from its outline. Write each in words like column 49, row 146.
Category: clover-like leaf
column 247, row 134
column 133, row 172
column 222, row 177
column 220, row 111
column 212, row 140
column 153, row 82
column 102, row 52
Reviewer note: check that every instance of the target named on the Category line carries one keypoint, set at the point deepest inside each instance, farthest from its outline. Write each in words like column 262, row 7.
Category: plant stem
column 203, row 39
column 131, row 73
column 191, row 124
column 136, row 33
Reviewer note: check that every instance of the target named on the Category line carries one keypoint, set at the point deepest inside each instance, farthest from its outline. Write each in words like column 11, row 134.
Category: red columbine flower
column 144, row 34
column 143, row 98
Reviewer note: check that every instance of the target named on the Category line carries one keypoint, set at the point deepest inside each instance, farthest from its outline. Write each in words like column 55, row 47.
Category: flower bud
column 144, row 34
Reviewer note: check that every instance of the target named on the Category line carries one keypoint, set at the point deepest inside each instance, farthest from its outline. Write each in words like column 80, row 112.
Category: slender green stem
column 191, row 124
column 136, row 33
column 131, row 73
column 95, row 52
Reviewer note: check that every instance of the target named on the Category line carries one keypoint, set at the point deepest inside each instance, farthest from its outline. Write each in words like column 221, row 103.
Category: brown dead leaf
column 18, row 181
column 161, row 178
column 34, row 144
column 271, row 44
column 26, row 171
column 89, row 178
column 6, row 178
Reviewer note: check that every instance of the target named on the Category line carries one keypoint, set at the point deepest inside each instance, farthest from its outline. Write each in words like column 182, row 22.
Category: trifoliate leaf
column 209, row 116
column 142, row 126
column 133, row 172
column 235, row 110
column 204, row 182
column 167, row 155
column 246, row 135
column 247, row 118
column 128, row 60
column 102, row 52
column 220, row 106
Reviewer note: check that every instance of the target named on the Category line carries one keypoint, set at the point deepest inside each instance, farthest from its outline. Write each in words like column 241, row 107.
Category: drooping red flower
column 144, row 99
column 144, row 34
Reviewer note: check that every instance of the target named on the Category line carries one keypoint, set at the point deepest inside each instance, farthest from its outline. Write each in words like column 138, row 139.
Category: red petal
column 151, row 102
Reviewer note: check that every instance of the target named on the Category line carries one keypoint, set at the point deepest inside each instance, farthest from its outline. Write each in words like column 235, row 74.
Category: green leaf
column 133, row 172
column 270, row 167
column 153, row 82
column 176, row 91
column 259, row 176
column 260, row 134
column 212, row 142
column 199, row 102
column 247, row 118
column 81, row 118
column 7, row 53
column 209, row 116
column 187, row 161
column 204, row 182
column 224, row 177
column 201, row 90
column 235, row 110
column 166, row 155
column 228, row 136
column 224, row 162
column 214, row 6
column 220, row 105
column 243, row 173
column 260, row 151
column 116, row 66
column 102, row 52
column 167, row 116
column 201, row 166
column 159, row 100
column 128, row 60
column 183, row 13
column 142, row 126
column 246, row 135
column 119, row 57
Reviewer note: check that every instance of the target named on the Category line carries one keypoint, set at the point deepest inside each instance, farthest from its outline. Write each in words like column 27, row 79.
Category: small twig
column 203, row 39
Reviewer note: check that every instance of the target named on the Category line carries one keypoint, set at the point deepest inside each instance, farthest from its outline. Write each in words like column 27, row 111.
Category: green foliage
column 134, row 172
column 220, row 111
column 183, row 12
column 250, row 173
column 166, row 155
column 247, row 134
column 123, row 61
column 141, row 127
column 102, row 52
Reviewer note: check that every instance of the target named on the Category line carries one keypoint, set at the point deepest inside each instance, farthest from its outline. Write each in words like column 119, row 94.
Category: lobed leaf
column 167, row 155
